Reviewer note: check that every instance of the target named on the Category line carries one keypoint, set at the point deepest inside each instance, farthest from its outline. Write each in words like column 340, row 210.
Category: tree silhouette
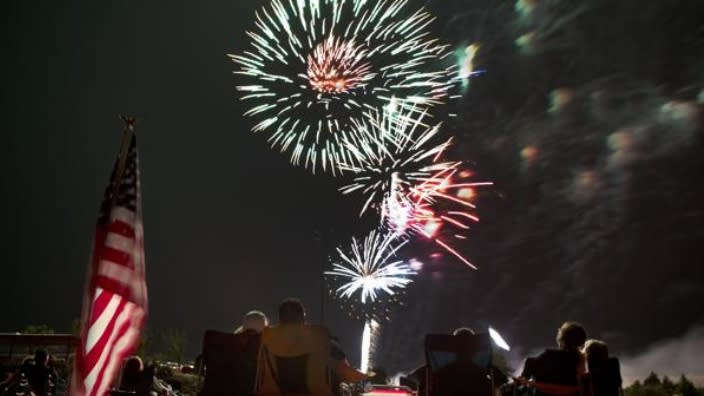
column 174, row 342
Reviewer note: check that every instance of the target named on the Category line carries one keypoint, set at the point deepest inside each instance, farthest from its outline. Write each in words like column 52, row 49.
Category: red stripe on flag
column 116, row 256
column 122, row 228
column 113, row 285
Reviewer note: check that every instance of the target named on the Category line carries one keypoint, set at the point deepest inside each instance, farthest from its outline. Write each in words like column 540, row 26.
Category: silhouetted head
column 571, row 335
column 253, row 321
column 463, row 332
column 291, row 311
column 132, row 370
column 596, row 350
column 41, row 357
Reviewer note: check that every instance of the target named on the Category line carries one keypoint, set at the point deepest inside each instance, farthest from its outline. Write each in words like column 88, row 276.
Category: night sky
column 596, row 214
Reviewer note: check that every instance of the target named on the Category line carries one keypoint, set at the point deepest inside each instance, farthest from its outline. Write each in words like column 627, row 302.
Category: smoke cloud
column 671, row 357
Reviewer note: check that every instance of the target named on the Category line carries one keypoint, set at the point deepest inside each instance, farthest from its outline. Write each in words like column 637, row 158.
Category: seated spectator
column 419, row 375
column 605, row 371
column 291, row 311
column 141, row 381
column 595, row 351
column 132, row 374
column 497, row 376
column 40, row 375
column 7, row 379
column 558, row 371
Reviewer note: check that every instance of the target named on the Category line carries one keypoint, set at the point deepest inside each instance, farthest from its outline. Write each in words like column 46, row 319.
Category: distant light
column 529, row 154
column 466, row 174
column 466, row 193
column 498, row 340
column 416, row 265
column 431, row 228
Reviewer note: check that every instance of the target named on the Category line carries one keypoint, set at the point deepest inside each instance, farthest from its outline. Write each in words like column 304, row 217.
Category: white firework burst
column 369, row 269
column 315, row 68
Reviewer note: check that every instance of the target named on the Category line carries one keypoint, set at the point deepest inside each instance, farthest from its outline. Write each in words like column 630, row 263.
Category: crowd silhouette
column 294, row 357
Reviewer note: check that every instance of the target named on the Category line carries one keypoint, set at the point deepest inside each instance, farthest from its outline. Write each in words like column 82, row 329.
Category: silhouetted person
column 571, row 336
column 132, row 374
column 40, row 375
column 497, row 376
column 460, row 370
column 250, row 337
column 291, row 311
column 563, row 367
column 605, row 371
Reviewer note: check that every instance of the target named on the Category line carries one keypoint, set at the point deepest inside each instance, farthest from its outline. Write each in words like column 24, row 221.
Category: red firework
column 337, row 66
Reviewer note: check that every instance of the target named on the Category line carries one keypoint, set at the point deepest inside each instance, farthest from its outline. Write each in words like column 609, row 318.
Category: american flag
column 115, row 302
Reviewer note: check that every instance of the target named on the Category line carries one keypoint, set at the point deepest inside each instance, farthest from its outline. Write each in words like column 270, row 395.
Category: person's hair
column 596, row 350
column 41, row 357
column 463, row 332
column 291, row 311
column 571, row 335
column 253, row 321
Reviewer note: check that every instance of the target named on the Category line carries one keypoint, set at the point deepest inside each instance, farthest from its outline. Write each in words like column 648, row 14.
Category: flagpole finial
column 129, row 120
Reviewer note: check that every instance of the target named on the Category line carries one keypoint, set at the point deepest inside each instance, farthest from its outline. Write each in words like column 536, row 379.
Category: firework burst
column 317, row 66
column 403, row 151
column 404, row 179
column 439, row 209
column 368, row 277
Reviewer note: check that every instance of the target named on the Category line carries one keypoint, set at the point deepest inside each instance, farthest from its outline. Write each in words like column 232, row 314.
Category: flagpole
column 127, row 135
column 128, row 132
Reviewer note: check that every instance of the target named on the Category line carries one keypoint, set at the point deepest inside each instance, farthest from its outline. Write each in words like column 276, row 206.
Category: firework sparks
column 369, row 335
column 317, row 66
column 430, row 207
column 338, row 67
column 403, row 178
column 402, row 152
column 369, row 270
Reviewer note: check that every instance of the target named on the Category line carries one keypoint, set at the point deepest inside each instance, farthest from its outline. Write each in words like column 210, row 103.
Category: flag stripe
column 119, row 242
column 116, row 256
column 125, row 229
column 103, row 337
column 102, row 321
column 119, row 213
column 96, row 369
column 124, row 345
column 100, row 302
column 116, row 272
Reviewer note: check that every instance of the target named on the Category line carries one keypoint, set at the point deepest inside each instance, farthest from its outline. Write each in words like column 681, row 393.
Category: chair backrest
column 554, row 372
column 294, row 360
column 554, row 366
column 606, row 377
column 230, row 363
column 458, row 365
